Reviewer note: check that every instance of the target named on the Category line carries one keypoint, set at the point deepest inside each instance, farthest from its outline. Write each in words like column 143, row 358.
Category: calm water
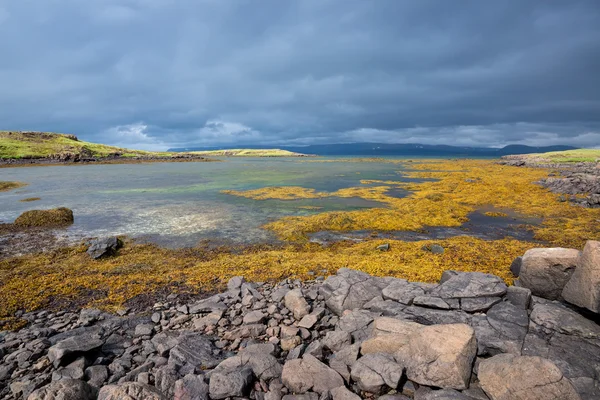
column 178, row 204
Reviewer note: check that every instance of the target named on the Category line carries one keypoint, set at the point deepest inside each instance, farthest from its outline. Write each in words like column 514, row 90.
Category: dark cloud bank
column 162, row 73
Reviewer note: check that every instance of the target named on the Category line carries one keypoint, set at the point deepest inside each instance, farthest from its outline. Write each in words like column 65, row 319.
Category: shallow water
column 179, row 204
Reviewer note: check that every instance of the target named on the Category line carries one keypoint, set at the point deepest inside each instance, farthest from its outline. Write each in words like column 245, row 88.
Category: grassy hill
column 23, row 145
column 248, row 153
column 569, row 156
column 58, row 146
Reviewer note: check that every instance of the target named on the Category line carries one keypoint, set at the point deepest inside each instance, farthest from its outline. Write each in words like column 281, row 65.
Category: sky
column 155, row 74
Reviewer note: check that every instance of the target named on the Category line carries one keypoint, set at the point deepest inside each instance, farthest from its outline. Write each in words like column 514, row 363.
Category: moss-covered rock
column 6, row 186
column 55, row 217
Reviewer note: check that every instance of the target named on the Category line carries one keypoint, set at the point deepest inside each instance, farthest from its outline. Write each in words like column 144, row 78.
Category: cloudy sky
column 172, row 73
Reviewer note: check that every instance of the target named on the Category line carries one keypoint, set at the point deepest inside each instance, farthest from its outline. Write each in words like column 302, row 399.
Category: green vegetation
column 249, row 153
column 57, row 217
column 17, row 145
column 569, row 156
column 6, row 186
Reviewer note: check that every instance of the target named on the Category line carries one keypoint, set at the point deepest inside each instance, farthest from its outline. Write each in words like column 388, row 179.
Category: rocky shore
column 78, row 158
column 579, row 182
column 348, row 336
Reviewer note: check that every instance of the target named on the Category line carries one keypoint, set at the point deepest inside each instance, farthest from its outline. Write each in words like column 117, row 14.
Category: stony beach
column 348, row 336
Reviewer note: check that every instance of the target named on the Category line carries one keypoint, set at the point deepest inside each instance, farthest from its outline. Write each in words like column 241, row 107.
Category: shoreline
column 51, row 162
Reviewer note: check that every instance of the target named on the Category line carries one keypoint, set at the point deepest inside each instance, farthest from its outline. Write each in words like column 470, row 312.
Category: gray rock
column 254, row 317
column 478, row 304
column 508, row 377
column 245, row 331
column 195, row 350
column 96, row 375
column 389, row 335
column 431, row 302
column 104, row 247
column 430, row 316
column 75, row 344
column 74, row 370
column 308, row 373
column 263, row 365
column 89, row 315
column 376, row 370
column 350, row 289
column 342, row 360
column 341, row 393
column 296, row 303
column 65, row 389
column 546, row 271
column 336, row 340
column 583, row 289
column 470, row 284
column 235, row 283
column 130, row 391
column 305, row 396
column 144, row 330
column 308, row 321
column 229, row 383
column 502, row 331
column 402, row 291
column 383, row 247
column 357, row 323
column 165, row 379
column 191, row 387
column 164, row 341
column 210, row 305
column 519, row 296
column 515, row 266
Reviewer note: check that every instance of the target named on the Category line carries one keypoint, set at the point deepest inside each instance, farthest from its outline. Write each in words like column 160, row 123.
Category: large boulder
column 546, row 271
column 440, row 355
column 511, row 377
column 402, row 291
column 65, row 389
column 502, row 330
column 308, row 373
column 130, row 391
column 583, row 289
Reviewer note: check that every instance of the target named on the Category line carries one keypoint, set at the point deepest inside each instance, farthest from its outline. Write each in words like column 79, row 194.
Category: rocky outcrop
column 105, row 247
column 348, row 336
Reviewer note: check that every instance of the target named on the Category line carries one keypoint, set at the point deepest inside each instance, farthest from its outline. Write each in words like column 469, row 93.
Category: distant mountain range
column 398, row 149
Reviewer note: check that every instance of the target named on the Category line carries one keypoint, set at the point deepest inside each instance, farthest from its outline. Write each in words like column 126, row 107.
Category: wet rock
column 583, row 288
column 308, row 373
column 440, row 355
column 470, row 284
column 191, row 387
column 296, row 303
column 130, row 391
column 229, row 383
column 105, row 247
column 66, row 389
column 546, row 271
column 510, row 377
column 374, row 371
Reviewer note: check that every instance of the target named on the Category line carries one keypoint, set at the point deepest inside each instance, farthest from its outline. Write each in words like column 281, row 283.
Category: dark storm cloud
column 161, row 73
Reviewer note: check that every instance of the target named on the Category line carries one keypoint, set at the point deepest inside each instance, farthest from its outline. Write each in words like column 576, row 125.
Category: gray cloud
column 158, row 73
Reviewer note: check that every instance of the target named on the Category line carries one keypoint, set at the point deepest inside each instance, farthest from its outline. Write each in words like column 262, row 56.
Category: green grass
column 249, row 153
column 17, row 145
column 570, row 156
column 39, row 145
